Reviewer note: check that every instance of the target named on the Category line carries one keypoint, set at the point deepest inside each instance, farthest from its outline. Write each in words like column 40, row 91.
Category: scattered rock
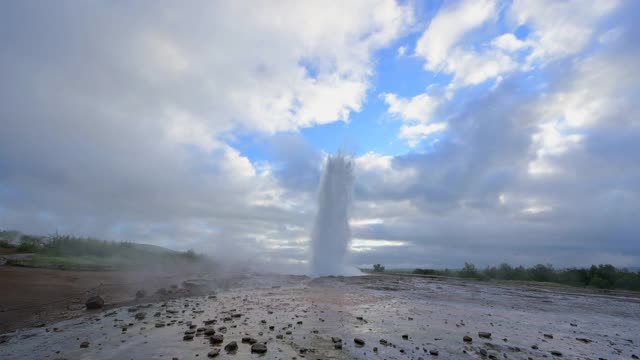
column 336, row 339
column 405, row 337
column 556, row 353
column 141, row 315
column 433, row 352
column 231, row 347
column 209, row 331
column 216, row 339
column 358, row 341
column 548, row 336
column 484, row 334
column 187, row 337
column 84, row 344
column 467, row 338
column 259, row 348
column 213, row 353
column 584, row 340
column 249, row 340
column 94, row 302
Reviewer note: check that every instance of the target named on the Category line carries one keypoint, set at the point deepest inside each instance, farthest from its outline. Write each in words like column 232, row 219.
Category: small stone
column 405, row 337
column 213, row 353
column 209, row 331
column 634, row 356
column 534, row 347
column 384, row 342
column 259, row 348
column 94, row 302
column 548, row 336
column 231, row 347
column 249, row 340
column 483, row 352
column 584, row 340
column 433, row 352
column 336, row 339
column 484, row 334
column 467, row 338
column 187, row 337
column 216, row 339
column 141, row 315
column 84, row 344
column 358, row 341
column 556, row 353
column 337, row 346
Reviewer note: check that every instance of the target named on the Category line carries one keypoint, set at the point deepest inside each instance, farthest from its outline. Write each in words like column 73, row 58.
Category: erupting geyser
column 331, row 234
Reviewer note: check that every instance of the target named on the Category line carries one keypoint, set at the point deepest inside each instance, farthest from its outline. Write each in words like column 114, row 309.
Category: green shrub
column 378, row 268
column 29, row 244
column 5, row 244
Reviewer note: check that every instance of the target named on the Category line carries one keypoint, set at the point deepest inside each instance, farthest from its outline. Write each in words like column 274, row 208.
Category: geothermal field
column 361, row 317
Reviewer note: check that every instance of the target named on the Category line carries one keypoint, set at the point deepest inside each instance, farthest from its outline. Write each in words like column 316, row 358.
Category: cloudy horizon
column 486, row 131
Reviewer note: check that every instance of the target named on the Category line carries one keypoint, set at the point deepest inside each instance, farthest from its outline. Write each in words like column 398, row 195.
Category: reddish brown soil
column 30, row 297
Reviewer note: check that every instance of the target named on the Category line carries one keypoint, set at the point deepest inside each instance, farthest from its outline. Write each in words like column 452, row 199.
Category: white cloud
column 402, row 50
column 548, row 143
column 611, row 35
column 508, row 42
column 598, row 93
column 536, row 210
column 559, row 28
column 448, row 26
column 375, row 169
column 416, row 133
column 472, row 68
column 419, row 108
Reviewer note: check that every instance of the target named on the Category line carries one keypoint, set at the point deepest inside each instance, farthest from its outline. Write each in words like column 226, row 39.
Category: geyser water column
column 331, row 235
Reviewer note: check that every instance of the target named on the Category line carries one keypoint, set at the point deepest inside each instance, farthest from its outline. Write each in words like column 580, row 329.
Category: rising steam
column 331, row 234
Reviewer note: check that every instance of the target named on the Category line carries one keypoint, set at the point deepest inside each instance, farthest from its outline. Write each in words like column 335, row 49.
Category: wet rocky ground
column 366, row 317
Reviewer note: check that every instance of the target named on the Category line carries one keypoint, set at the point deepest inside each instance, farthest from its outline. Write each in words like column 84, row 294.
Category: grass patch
column 75, row 253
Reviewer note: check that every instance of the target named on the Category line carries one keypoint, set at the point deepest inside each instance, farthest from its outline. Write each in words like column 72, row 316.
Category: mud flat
column 31, row 297
column 364, row 317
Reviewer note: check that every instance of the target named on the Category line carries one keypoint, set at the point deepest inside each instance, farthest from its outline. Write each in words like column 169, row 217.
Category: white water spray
column 331, row 234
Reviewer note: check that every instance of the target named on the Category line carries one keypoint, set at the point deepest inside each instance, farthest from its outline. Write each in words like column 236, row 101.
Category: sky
column 486, row 131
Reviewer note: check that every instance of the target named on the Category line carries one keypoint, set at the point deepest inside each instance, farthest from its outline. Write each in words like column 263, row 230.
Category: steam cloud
column 331, row 234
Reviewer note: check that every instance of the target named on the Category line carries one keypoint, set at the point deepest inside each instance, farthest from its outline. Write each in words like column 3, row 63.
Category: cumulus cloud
column 115, row 117
column 448, row 26
column 559, row 28
column 135, row 131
